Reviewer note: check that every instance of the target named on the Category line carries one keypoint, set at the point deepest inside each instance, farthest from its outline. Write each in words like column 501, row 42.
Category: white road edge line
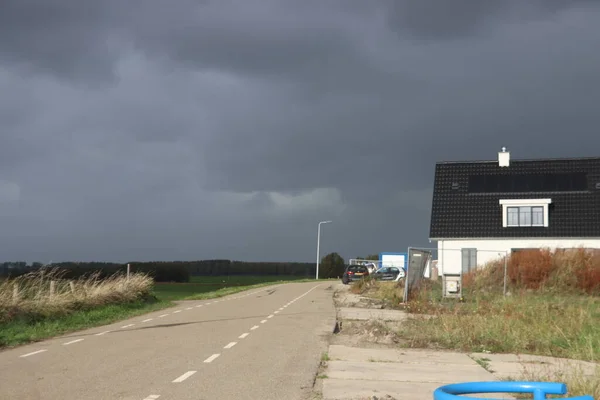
column 152, row 397
column 212, row 358
column 184, row 376
column 230, row 345
column 73, row 341
column 32, row 353
column 243, row 335
column 254, row 327
column 101, row 333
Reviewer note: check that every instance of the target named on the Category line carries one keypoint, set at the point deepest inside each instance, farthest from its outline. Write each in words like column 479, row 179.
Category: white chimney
column 504, row 158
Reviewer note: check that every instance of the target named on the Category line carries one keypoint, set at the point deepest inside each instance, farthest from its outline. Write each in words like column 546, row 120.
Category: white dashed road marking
column 73, row 341
column 189, row 308
column 175, row 312
column 162, row 316
column 127, row 326
column 32, row 353
column 263, row 321
column 230, row 345
column 184, row 376
column 148, row 320
column 212, row 358
column 254, row 327
column 270, row 316
column 243, row 335
column 152, row 397
column 101, row 333
column 199, row 305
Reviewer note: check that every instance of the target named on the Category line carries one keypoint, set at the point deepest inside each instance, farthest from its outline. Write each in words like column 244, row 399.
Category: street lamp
column 319, row 244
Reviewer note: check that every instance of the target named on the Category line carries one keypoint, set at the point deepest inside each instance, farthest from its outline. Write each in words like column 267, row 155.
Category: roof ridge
column 521, row 160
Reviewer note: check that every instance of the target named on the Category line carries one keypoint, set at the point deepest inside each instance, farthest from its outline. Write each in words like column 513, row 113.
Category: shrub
column 564, row 270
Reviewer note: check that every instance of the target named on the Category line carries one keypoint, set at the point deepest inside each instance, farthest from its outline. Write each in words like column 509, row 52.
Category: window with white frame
column 525, row 216
column 525, row 212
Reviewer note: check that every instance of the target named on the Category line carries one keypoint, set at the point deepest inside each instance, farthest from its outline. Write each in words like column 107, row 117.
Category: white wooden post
column 15, row 292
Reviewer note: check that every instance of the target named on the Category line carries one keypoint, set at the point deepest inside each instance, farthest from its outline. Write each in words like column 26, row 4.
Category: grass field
column 547, row 323
column 214, row 286
column 39, row 318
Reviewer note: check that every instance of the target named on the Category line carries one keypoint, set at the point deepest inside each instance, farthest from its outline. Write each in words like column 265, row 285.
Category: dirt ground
column 370, row 333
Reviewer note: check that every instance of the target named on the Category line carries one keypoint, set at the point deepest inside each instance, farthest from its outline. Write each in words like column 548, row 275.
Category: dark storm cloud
column 71, row 39
column 449, row 20
column 141, row 129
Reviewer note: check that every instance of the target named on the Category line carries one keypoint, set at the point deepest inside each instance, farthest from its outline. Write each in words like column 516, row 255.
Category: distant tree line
column 165, row 271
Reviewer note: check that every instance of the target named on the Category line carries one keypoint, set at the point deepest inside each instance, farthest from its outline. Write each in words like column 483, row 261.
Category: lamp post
column 319, row 244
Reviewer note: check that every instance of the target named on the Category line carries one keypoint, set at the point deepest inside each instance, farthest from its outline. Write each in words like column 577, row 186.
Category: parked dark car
column 388, row 274
column 354, row 273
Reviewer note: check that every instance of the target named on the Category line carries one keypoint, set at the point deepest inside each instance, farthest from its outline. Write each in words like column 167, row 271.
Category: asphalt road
column 262, row 344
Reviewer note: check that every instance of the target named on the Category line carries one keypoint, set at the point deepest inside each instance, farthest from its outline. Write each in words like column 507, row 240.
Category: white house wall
column 393, row 260
column 450, row 256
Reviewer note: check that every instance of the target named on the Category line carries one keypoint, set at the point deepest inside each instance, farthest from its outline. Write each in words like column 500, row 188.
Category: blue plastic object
column 538, row 389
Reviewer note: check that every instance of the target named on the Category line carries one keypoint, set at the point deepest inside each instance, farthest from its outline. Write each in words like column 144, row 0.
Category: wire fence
column 453, row 264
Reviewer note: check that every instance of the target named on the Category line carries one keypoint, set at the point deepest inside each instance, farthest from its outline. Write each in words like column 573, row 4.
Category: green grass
column 234, row 280
column 26, row 329
column 21, row 331
column 203, row 287
column 529, row 323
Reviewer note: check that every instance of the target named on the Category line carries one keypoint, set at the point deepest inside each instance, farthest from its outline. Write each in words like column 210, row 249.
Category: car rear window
column 357, row 268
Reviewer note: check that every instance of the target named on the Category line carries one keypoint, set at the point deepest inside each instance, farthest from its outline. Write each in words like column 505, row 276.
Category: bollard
column 539, row 390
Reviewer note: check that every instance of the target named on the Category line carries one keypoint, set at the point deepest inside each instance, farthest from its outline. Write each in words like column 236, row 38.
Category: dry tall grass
column 34, row 297
column 579, row 381
column 532, row 324
column 553, row 308
column 558, row 271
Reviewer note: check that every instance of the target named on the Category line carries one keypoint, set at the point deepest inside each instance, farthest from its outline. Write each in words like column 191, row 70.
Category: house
column 482, row 210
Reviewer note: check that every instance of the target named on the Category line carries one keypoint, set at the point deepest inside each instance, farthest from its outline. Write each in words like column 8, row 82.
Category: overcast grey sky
column 154, row 130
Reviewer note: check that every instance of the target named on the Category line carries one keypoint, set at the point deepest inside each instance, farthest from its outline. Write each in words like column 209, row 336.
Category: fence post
column 52, row 288
column 505, row 270
column 72, row 286
column 128, row 268
column 15, row 292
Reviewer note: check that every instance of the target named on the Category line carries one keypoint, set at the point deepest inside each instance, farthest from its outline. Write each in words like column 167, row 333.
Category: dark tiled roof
column 460, row 213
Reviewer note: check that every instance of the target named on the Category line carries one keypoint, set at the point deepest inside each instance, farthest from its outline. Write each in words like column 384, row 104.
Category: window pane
column 512, row 216
column 537, row 216
column 524, row 216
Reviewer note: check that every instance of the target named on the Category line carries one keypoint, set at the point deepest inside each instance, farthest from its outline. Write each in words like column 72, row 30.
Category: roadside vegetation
column 43, row 304
column 552, row 309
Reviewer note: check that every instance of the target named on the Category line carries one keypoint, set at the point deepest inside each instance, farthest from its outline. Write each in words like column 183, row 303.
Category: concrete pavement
column 366, row 361
column 263, row 344
column 359, row 373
